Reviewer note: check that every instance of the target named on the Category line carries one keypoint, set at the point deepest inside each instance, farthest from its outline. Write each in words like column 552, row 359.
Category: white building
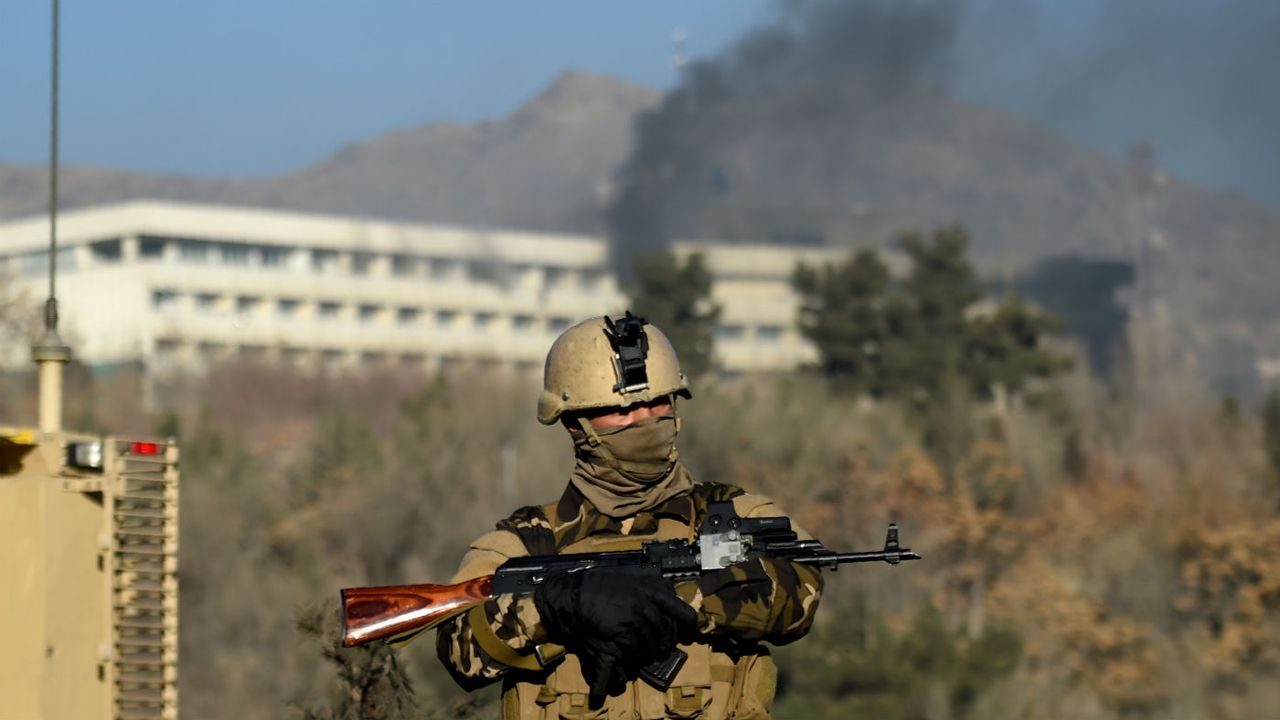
column 174, row 284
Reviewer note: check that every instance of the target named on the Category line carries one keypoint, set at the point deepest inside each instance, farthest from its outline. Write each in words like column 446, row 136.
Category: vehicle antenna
column 49, row 352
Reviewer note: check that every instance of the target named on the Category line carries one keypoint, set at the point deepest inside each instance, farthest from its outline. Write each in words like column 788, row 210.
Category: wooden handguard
column 390, row 611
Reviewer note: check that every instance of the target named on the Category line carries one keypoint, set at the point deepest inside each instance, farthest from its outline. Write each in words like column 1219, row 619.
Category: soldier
column 573, row 648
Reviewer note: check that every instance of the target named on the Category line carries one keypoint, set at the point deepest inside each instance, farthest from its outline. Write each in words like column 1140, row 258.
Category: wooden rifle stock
column 393, row 611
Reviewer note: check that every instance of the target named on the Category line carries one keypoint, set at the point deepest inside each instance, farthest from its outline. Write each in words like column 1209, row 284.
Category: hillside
column 542, row 167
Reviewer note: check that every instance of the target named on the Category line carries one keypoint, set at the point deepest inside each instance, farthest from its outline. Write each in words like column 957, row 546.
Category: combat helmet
column 608, row 362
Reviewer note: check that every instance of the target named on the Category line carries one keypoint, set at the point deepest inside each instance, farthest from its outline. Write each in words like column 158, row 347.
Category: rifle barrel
column 893, row 557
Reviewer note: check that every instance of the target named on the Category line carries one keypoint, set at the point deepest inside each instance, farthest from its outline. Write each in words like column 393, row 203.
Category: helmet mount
column 630, row 350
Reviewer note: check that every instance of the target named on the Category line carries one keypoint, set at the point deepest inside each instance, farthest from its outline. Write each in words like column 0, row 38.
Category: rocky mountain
column 546, row 166
column 24, row 189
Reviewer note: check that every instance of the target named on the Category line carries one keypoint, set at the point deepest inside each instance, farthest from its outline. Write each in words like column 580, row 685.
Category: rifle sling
column 543, row 655
column 399, row 641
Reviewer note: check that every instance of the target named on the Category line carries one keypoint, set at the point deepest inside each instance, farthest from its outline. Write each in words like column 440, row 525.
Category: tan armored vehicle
column 88, row 572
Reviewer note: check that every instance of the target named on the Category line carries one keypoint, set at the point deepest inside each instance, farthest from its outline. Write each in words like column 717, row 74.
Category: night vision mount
column 630, row 349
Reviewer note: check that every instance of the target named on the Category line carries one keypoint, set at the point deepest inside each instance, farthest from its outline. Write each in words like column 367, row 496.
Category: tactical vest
column 727, row 680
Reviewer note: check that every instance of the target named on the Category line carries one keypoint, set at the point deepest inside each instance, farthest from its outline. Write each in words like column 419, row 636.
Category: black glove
column 616, row 622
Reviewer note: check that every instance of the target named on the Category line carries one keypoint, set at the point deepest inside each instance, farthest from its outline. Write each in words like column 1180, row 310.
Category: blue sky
column 253, row 88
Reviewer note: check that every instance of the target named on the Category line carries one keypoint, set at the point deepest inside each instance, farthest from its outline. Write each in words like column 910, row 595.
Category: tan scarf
column 631, row 468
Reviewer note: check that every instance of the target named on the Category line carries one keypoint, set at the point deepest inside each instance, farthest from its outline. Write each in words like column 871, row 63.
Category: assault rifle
column 394, row 613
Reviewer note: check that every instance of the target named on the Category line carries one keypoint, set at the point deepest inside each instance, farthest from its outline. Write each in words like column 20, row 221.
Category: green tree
column 940, row 288
column 1006, row 348
column 676, row 297
column 922, row 340
column 860, row 667
column 885, row 339
column 370, row 683
column 858, row 328
column 942, row 282
column 1229, row 409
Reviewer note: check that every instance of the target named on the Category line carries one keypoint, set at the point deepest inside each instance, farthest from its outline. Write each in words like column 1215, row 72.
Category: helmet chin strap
column 600, row 448
column 587, row 428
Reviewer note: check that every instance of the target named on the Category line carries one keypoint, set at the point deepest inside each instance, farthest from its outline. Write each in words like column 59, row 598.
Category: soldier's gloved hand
column 616, row 622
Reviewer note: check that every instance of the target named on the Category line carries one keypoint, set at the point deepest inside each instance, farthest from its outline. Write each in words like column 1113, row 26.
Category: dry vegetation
column 1106, row 558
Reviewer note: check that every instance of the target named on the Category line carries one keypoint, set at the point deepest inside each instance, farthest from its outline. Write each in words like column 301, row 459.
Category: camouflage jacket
column 762, row 600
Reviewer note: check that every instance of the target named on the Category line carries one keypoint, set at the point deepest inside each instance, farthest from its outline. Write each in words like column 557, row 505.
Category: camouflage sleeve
column 513, row 619
column 765, row 599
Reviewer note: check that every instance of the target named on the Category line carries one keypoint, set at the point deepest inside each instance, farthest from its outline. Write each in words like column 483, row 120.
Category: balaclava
column 626, row 469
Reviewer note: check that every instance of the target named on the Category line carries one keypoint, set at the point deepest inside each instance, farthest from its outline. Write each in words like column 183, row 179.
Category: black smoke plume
column 807, row 130
column 706, row 162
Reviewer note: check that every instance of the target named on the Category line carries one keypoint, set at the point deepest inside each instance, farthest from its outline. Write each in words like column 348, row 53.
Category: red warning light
column 144, row 448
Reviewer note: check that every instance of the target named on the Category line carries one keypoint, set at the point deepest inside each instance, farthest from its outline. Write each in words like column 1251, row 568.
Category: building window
column 369, row 313
column 66, row 259
column 553, row 277
column 247, row 304
column 256, row 353
column 372, row 359
column 211, row 350
column 361, row 262
column 484, row 320
column 559, row 323
column 589, row 280
column 275, row 257
column 328, row 309
column 324, row 262
column 446, row 318
column 33, row 263
column 413, row 361
column 193, row 251
column 522, row 323
column 441, row 268
column 206, row 302
column 293, row 355
column 164, row 300
column 729, row 333
column 769, row 333
column 106, row 251
column 286, row 307
column 235, row 255
column 404, row 265
column 331, row 359
column 167, row 348
column 408, row 315
column 483, row 271
column 151, row 248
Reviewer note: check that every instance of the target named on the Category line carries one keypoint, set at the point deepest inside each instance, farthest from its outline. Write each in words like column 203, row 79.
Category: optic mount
column 630, row 350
